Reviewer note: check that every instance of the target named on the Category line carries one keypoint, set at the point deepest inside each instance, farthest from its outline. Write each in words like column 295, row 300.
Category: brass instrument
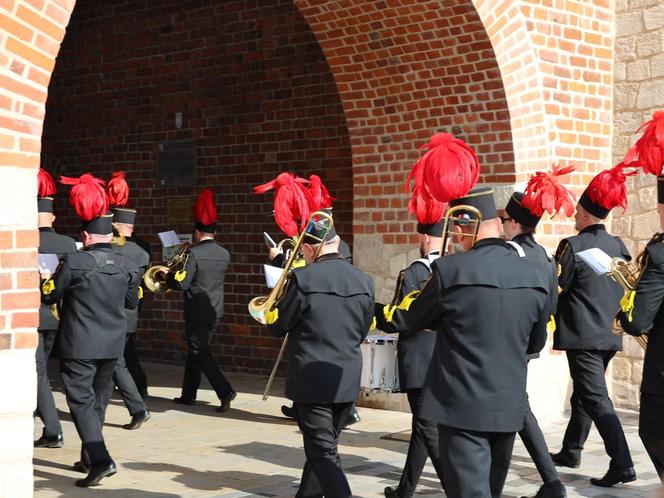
column 628, row 274
column 260, row 305
column 459, row 215
column 155, row 276
column 118, row 240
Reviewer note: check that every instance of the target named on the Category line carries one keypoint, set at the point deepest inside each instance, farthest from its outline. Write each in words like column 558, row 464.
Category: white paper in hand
column 169, row 239
column 48, row 263
column 598, row 260
column 272, row 274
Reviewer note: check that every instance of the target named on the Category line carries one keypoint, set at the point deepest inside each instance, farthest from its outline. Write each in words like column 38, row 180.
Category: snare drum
column 379, row 364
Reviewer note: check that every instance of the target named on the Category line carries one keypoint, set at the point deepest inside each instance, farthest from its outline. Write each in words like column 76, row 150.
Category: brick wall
column 29, row 41
column 639, row 89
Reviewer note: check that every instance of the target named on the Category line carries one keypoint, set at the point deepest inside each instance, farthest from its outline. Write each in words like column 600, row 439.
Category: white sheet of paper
column 79, row 246
column 48, row 263
column 598, row 260
column 272, row 274
column 169, row 239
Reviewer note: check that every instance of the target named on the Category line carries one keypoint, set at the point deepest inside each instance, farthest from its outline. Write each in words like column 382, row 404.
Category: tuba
column 155, row 276
column 628, row 274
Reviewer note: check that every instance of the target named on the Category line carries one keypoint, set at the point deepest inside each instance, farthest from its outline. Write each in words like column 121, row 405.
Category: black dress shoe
column 46, row 441
column 551, row 489
column 613, row 477
column 564, row 459
column 143, row 391
column 393, row 492
column 288, row 411
column 96, row 474
column 226, row 401
column 184, row 401
column 80, row 467
column 353, row 418
column 137, row 420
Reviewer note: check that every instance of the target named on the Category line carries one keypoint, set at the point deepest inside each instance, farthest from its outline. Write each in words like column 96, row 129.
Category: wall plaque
column 179, row 211
column 176, row 163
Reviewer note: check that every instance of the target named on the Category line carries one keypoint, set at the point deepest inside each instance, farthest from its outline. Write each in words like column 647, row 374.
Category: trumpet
column 155, row 276
column 628, row 274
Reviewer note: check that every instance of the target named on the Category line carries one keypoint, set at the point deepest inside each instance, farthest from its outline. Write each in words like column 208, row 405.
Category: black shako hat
column 433, row 229
column 481, row 198
column 519, row 213
column 124, row 215
column 660, row 189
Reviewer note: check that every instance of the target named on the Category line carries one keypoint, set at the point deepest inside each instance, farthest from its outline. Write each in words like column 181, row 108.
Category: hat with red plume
column 45, row 191
column 205, row 212
column 648, row 151
column 606, row 191
column 320, row 196
column 448, row 170
column 429, row 211
column 292, row 202
column 544, row 192
column 90, row 202
column 118, row 197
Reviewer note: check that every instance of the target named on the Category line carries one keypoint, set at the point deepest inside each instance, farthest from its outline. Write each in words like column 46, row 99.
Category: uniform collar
column 330, row 255
column 489, row 242
column 46, row 229
column 594, row 228
column 99, row 246
column 523, row 237
column 204, row 241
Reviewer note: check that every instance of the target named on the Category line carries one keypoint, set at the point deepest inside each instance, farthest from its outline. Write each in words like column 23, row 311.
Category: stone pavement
column 252, row 450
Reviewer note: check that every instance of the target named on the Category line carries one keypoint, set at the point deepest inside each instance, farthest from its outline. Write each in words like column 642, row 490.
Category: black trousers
column 322, row 474
column 200, row 360
column 126, row 386
column 45, row 405
column 133, row 365
column 591, row 404
column 84, row 381
column 651, row 429
column 423, row 443
column 533, row 440
column 475, row 464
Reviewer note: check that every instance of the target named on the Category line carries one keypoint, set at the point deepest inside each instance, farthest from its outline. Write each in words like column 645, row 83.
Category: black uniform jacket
column 415, row 348
column 588, row 302
column 489, row 308
column 539, row 255
column 142, row 259
column 203, row 281
column 648, row 314
column 51, row 242
column 327, row 312
column 95, row 285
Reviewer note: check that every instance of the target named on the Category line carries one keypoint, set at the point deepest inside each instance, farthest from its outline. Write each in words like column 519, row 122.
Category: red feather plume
column 608, row 189
column 292, row 202
column 449, row 168
column 319, row 194
column 427, row 209
column 118, row 190
column 545, row 193
column 649, row 149
column 205, row 211
column 46, row 184
column 87, row 196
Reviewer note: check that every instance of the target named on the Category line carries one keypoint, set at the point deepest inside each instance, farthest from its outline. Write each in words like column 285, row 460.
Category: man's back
column 204, row 296
column 51, row 242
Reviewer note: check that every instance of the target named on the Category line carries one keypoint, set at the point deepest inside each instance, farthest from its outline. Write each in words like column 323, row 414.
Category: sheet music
column 272, row 274
column 598, row 260
column 48, row 263
column 169, row 239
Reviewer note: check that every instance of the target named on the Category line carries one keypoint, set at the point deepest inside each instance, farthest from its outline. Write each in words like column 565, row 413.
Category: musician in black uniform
column 202, row 281
column 647, row 315
column 327, row 311
column 50, row 242
column 587, row 306
column 415, row 349
column 96, row 285
column 123, row 222
column 519, row 225
column 489, row 309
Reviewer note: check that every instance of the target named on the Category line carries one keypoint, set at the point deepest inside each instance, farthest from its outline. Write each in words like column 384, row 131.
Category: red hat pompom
column 292, row 202
column 205, row 212
column 649, row 149
column 46, row 185
column 608, row 189
column 545, row 193
column 118, row 190
column 87, row 196
column 449, row 168
column 320, row 196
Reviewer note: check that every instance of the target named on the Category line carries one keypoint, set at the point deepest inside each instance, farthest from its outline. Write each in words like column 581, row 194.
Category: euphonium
column 155, row 276
column 628, row 274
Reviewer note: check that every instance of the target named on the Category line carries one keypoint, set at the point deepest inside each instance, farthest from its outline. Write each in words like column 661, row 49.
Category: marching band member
column 586, row 307
column 50, row 242
column 202, row 281
column 123, row 220
column 327, row 311
column 96, row 286
column 523, row 213
column 647, row 313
